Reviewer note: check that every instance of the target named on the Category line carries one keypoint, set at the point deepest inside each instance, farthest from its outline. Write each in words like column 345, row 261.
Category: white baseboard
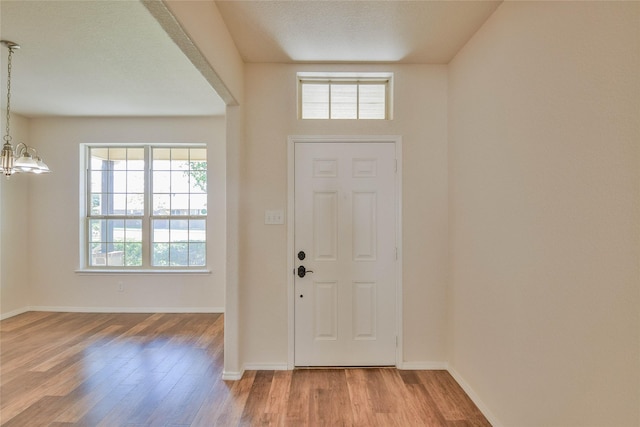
column 65, row 309
column 424, row 366
column 127, row 309
column 13, row 313
column 232, row 376
column 475, row 398
column 266, row 367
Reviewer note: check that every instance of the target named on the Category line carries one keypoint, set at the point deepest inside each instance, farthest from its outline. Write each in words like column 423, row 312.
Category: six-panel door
column 345, row 207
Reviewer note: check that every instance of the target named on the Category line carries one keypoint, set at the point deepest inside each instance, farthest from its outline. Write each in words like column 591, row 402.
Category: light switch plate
column 274, row 217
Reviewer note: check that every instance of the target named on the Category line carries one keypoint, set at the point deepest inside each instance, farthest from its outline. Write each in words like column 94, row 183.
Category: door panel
column 325, row 310
column 345, row 221
column 325, row 225
column 364, row 220
column 364, row 311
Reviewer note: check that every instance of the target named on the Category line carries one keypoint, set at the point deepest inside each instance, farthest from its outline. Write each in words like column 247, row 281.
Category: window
column 343, row 96
column 146, row 207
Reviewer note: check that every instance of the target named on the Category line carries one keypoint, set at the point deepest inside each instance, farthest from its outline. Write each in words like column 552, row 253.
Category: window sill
column 97, row 271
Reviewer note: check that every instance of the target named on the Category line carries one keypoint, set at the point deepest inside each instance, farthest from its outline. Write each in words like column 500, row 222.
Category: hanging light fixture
column 23, row 158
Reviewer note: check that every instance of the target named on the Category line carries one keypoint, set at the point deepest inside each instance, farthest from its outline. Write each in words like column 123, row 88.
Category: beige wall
column 14, row 229
column 54, row 219
column 420, row 111
column 544, row 122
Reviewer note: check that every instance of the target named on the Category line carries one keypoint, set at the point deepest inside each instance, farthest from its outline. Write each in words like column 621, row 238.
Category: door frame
column 292, row 140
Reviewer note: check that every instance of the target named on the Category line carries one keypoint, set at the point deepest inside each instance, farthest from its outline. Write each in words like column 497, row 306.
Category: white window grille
column 146, row 207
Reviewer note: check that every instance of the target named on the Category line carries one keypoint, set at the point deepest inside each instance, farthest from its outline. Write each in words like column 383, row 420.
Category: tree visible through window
column 147, row 207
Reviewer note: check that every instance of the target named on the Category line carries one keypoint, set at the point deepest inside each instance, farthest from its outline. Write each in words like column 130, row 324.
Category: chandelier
column 22, row 158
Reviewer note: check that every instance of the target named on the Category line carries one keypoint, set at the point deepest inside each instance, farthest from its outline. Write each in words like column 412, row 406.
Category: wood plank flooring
column 79, row 369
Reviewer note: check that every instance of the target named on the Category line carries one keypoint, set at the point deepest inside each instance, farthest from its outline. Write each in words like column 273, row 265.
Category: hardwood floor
column 79, row 369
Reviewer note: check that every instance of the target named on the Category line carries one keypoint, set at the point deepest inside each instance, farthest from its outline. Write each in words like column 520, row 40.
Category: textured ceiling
column 112, row 58
column 98, row 58
column 418, row 31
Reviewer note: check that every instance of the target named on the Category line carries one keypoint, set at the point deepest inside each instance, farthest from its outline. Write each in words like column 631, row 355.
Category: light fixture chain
column 7, row 137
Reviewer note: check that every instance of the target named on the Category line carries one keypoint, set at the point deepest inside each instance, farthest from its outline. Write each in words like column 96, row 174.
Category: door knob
column 303, row 271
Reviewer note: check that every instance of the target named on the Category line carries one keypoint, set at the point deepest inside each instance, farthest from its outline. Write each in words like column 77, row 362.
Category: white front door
column 345, row 239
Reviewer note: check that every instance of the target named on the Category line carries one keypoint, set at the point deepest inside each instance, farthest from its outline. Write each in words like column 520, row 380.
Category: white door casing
column 346, row 222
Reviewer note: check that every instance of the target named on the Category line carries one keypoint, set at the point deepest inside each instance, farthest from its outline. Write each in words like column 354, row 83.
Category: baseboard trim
column 475, row 398
column 232, row 375
column 14, row 313
column 127, row 309
column 266, row 367
column 423, row 366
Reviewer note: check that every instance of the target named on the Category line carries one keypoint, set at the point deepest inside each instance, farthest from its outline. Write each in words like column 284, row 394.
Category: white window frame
column 147, row 217
column 358, row 79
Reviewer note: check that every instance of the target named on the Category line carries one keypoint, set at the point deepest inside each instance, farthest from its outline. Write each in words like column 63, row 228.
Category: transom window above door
column 344, row 96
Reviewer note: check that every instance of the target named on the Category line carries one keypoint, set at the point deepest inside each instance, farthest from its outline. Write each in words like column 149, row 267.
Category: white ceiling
column 417, row 31
column 112, row 58
column 97, row 58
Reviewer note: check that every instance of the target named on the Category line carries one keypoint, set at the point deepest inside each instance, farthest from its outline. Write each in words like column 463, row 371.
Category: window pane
column 160, row 230
column 161, row 158
column 96, row 182
column 315, row 101
column 161, row 204
column 97, row 164
column 135, row 182
column 179, row 182
column 107, row 204
column 115, row 231
column 161, row 153
column 197, row 254
column 96, row 230
column 179, row 254
column 98, row 254
column 160, row 256
column 198, row 155
column 133, row 230
column 179, row 230
column 198, row 204
column 118, row 205
column 180, row 159
column 115, row 258
column 118, row 182
column 197, row 230
column 133, row 254
column 98, row 155
column 135, row 158
column 344, row 101
column 198, row 177
column 116, row 157
column 97, row 205
column 180, row 204
column 161, row 182
column 135, row 204
column 372, row 101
